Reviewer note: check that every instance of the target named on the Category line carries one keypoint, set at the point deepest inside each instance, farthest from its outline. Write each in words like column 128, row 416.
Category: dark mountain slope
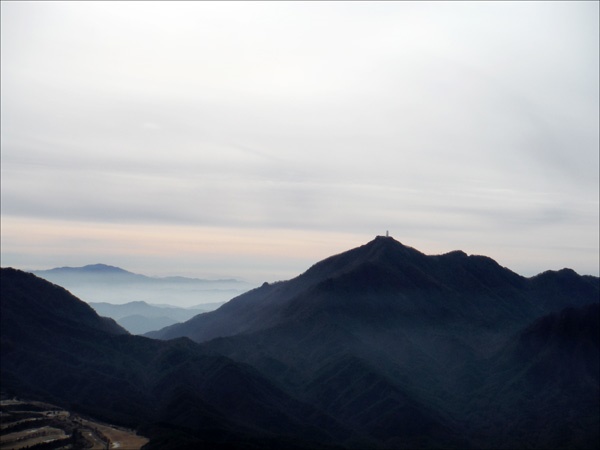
column 374, row 389
column 387, row 278
column 554, row 286
column 55, row 309
column 545, row 385
column 262, row 307
column 361, row 396
column 413, row 375
column 424, row 329
column 166, row 388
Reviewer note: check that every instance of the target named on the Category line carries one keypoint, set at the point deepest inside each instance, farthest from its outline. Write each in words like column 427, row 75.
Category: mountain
column 140, row 317
column 398, row 345
column 147, row 310
column 91, row 272
column 551, row 366
column 57, row 310
column 99, row 283
column 55, row 348
column 91, row 268
column 138, row 324
column 380, row 347
column 387, row 282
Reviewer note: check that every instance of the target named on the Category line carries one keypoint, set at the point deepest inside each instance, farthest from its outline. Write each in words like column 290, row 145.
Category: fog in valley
column 101, row 283
column 140, row 303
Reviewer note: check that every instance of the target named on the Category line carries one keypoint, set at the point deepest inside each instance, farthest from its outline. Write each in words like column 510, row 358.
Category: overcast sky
column 254, row 139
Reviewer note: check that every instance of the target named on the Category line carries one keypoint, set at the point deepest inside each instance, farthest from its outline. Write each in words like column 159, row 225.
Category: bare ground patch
column 27, row 423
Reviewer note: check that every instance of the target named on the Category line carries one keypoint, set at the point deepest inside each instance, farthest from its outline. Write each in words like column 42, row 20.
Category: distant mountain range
column 100, row 283
column 141, row 317
column 95, row 270
column 379, row 347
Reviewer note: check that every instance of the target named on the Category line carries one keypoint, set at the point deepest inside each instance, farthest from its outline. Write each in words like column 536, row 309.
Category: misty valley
column 380, row 347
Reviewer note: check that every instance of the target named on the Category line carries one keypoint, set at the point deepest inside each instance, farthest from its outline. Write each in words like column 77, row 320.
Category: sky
column 253, row 139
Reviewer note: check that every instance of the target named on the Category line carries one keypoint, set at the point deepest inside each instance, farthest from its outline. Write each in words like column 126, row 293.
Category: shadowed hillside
column 546, row 383
column 382, row 334
column 380, row 347
column 387, row 282
column 55, row 348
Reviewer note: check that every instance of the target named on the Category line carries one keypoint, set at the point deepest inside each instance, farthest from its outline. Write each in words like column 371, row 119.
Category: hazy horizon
column 253, row 281
column 253, row 139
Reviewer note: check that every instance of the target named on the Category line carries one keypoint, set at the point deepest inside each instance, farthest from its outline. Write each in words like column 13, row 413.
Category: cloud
column 453, row 122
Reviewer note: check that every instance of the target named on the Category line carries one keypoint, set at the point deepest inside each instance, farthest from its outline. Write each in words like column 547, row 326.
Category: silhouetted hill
column 56, row 348
column 57, row 310
column 380, row 347
column 397, row 283
column 425, row 331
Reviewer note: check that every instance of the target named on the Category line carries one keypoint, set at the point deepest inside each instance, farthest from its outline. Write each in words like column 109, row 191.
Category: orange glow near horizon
column 50, row 240
column 254, row 254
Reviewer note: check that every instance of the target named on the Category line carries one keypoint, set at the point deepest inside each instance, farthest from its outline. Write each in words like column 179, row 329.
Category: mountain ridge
column 176, row 392
column 420, row 283
column 140, row 317
column 381, row 347
column 426, row 330
column 22, row 286
column 100, row 268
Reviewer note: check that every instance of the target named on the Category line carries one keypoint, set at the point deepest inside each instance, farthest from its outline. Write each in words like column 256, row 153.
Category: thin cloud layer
column 455, row 125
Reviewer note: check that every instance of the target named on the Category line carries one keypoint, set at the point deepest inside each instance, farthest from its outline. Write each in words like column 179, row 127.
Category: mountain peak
column 383, row 250
column 90, row 268
column 383, row 241
column 387, row 237
column 388, row 241
column 386, row 246
column 102, row 268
